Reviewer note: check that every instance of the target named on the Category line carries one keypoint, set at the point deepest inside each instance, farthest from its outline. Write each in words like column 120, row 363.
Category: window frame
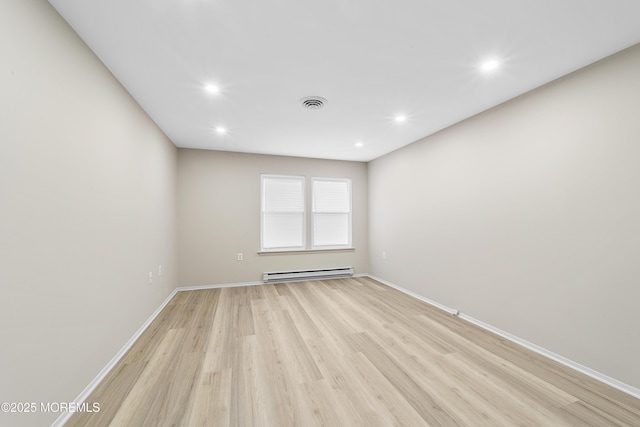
column 263, row 212
column 349, row 213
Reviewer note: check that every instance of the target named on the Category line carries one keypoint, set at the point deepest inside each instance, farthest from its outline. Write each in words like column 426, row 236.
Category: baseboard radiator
column 318, row 273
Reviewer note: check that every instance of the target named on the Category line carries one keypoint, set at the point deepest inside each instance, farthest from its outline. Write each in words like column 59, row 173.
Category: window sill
column 305, row 251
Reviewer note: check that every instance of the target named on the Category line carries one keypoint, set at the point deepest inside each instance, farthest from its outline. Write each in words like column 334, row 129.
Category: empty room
column 319, row 213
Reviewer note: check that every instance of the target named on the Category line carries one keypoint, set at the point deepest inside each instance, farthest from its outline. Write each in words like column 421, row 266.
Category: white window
column 331, row 212
column 283, row 212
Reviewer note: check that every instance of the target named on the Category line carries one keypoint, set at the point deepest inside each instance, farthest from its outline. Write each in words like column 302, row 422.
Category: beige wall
column 219, row 216
column 87, row 209
column 527, row 217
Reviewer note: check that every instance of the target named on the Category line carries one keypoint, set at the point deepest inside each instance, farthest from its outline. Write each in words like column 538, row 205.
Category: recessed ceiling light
column 212, row 89
column 220, row 130
column 490, row 65
column 400, row 118
column 359, row 144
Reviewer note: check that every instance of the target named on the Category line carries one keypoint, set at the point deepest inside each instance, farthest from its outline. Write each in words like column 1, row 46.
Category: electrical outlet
column 240, row 257
column 159, row 270
column 384, row 254
column 150, row 277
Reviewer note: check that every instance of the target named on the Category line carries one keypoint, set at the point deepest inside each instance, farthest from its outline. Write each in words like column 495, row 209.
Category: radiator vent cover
column 319, row 273
column 313, row 102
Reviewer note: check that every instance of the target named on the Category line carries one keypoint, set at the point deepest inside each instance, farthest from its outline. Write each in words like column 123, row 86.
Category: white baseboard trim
column 558, row 358
column 64, row 417
column 224, row 285
column 413, row 294
column 619, row 385
column 240, row 284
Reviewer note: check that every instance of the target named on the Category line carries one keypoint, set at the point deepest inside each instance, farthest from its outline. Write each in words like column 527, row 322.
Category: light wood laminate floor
column 344, row 352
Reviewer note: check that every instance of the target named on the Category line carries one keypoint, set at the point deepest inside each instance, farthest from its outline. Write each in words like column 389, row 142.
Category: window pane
column 283, row 230
column 331, row 212
column 331, row 229
column 283, row 212
column 331, row 196
column 283, row 194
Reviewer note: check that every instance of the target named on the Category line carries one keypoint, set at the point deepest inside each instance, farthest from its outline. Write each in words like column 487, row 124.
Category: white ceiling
column 371, row 59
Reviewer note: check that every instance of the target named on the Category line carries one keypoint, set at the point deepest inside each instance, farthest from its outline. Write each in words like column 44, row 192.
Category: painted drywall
column 87, row 209
column 219, row 216
column 527, row 216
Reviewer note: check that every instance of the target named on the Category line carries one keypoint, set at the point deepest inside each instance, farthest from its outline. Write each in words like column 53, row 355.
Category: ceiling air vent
column 313, row 102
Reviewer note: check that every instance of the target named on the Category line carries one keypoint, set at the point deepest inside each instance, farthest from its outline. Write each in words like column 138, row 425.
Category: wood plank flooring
column 344, row 352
